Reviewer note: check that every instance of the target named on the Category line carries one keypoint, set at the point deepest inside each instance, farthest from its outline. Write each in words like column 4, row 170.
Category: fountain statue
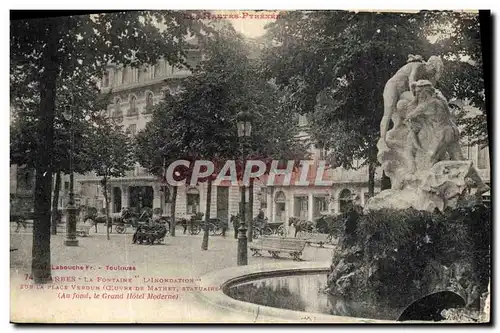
column 421, row 153
column 423, row 243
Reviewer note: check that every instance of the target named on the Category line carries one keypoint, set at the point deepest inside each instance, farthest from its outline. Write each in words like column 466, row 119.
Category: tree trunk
column 385, row 182
column 40, row 264
column 106, row 209
column 204, row 244
column 371, row 179
column 55, row 201
column 250, row 211
column 172, row 211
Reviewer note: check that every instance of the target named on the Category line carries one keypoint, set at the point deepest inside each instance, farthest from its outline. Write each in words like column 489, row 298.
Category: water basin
column 304, row 292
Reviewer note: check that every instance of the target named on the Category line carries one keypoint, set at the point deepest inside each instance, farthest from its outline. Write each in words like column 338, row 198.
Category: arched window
column 151, row 72
column 280, row 197
column 117, row 113
column 125, row 75
column 105, row 82
column 193, row 200
column 133, row 105
column 166, row 194
column 158, row 68
column 345, row 200
column 149, row 102
column 482, row 157
column 131, row 130
column 118, row 107
column 280, row 206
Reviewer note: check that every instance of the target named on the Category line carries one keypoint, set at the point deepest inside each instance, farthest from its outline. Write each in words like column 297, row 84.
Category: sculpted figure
column 414, row 70
column 431, row 110
column 421, row 153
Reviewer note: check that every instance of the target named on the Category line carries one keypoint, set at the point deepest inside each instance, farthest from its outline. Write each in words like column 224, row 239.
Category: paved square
column 179, row 257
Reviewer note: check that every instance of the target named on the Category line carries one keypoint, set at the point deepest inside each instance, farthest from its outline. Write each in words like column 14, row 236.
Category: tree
column 110, row 155
column 43, row 49
column 200, row 121
column 156, row 148
column 464, row 69
column 334, row 65
column 85, row 103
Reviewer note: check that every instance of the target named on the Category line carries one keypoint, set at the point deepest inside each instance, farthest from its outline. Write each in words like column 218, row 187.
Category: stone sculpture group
column 421, row 153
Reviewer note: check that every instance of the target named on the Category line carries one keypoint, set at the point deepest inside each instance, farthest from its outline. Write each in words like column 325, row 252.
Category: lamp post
column 71, row 209
column 244, row 131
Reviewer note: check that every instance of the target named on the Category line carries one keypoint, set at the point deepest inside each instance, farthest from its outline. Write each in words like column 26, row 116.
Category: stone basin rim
column 260, row 313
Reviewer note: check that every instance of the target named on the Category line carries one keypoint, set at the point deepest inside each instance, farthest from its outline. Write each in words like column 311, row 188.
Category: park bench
column 82, row 229
column 314, row 237
column 276, row 245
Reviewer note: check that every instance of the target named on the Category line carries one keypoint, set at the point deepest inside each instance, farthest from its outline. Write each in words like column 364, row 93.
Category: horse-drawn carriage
column 323, row 230
column 196, row 224
column 260, row 227
column 120, row 220
column 145, row 234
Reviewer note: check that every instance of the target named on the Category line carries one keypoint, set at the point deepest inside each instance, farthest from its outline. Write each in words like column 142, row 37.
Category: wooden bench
column 276, row 245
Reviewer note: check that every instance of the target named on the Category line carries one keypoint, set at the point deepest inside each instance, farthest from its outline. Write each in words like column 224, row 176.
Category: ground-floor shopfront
column 310, row 203
column 279, row 203
column 138, row 194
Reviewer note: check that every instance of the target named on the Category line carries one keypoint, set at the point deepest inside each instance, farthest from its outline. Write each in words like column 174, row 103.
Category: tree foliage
column 333, row 66
column 110, row 149
column 85, row 104
column 110, row 154
column 200, row 121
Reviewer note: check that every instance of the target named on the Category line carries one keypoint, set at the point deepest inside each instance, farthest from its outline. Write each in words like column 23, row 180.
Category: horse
column 20, row 221
column 184, row 222
column 116, row 218
column 119, row 218
column 327, row 223
column 300, row 225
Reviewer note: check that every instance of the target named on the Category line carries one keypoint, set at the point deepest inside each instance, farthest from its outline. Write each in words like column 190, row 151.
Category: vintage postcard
column 274, row 166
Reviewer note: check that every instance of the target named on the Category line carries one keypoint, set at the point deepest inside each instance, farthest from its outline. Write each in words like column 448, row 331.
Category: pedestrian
column 184, row 225
column 234, row 221
column 261, row 215
column 20, row 221
column 224, row 225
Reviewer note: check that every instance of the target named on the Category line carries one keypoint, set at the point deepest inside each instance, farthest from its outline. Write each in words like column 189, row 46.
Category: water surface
column 304, row 292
